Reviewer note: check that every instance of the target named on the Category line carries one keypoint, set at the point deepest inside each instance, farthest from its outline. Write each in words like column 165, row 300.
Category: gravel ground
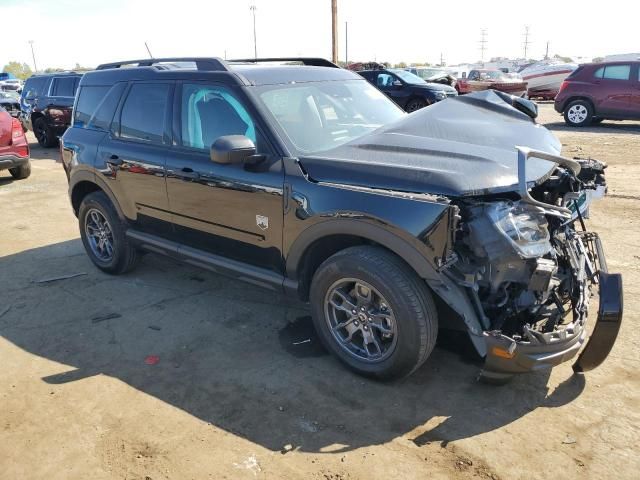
column 231, row 396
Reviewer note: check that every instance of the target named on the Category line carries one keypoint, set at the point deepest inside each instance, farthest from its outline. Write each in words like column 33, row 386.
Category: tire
column 415, row 104
column 44, row 134
column 124, row 257
column 398, row 295
column 578, row 113
column 21, row 172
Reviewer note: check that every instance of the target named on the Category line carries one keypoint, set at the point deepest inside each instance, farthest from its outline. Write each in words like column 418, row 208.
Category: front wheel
column 578, row 113
column 373, row 312
column 415, row 104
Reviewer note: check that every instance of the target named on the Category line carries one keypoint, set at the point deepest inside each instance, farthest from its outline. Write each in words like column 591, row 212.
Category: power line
column 483, row 43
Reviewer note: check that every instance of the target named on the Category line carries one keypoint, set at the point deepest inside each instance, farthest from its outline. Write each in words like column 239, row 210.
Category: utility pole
column 441, row 60
column 483, row 43
column 255, row 43
column 346, row 43
column 526, row 41
column 334, row 31
column 35, row 67
column 546, row 54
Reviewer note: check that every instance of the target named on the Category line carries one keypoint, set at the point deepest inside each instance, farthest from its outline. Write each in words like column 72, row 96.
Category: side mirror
column 397, row 83
column 231, row 149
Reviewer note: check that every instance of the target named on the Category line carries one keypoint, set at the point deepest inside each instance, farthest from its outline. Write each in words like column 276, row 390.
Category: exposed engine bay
column 529, row 270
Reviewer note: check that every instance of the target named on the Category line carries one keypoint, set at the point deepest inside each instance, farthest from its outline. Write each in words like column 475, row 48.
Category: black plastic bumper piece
column 12, row 161
column 607, row 325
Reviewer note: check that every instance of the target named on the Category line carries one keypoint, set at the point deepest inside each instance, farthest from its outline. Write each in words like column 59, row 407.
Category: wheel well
column 573, row 99
column 81, row 190
column 318, row 252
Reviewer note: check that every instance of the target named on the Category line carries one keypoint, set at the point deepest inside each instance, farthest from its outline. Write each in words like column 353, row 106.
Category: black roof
column 240, row 72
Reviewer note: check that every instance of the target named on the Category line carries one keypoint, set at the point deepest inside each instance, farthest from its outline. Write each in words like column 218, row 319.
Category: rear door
column 59, row 102
column 615, row 87
column 635, row 90
column 132, row 157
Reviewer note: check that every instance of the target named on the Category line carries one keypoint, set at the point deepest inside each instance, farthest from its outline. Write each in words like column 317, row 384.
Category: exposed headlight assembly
column 441, row 95
column 525, row 227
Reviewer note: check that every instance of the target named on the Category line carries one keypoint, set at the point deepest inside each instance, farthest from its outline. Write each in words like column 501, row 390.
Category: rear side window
column 96, row 105
column 144, row 112
column 88, row 100
column 617, row 72
column 64, row 86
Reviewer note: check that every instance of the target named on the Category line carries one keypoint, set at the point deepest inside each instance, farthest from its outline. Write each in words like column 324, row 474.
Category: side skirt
column 215, row 263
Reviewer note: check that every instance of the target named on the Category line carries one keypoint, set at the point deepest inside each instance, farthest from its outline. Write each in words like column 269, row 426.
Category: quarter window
column 64, row 86
column 617, row 72
column 144, row 112
column 210, row 112
column 88, row 101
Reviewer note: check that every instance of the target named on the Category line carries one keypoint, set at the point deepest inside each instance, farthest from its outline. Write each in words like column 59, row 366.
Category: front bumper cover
column 506, row 357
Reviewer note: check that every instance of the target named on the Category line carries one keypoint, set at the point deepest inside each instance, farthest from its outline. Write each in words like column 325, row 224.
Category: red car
column 599, row 91
column 14, row 149
column 491, row 79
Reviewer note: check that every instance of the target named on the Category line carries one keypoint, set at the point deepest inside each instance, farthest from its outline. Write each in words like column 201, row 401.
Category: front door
column 231, row 210
column 392, row 87
column 132, row 157
column 615, row 85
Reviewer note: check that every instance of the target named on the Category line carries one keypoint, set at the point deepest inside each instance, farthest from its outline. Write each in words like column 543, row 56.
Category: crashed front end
column 530, row 269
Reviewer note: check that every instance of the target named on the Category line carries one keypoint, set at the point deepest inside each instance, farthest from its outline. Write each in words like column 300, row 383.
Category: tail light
column 16, row 129
column 17, row 134
column 563, row 85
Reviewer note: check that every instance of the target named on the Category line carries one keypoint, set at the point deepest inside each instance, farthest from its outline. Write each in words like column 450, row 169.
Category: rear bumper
column 506, row 356
column 12, row 161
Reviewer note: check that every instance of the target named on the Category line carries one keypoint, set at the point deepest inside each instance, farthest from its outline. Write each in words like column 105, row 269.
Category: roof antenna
column 147, row 47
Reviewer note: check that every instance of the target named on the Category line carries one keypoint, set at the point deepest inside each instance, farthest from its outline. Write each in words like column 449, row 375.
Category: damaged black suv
column 305, row 179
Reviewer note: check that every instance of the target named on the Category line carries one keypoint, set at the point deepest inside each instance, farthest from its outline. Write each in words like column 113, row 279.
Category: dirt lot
column 230, row 390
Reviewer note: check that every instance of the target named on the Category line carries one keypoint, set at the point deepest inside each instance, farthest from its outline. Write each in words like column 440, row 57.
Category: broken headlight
column 523, row 225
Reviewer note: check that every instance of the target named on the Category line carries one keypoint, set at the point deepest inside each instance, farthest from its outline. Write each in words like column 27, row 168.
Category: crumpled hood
column 461, row 146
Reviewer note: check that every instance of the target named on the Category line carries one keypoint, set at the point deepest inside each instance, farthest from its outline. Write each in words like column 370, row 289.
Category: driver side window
column 209, row 112
column 473, row 75
column 384, row 80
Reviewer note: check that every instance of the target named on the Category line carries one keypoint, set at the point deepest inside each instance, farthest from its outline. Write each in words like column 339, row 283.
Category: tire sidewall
column 422, row 103
column 100, row 202
column 407, row 352
column 587, row 120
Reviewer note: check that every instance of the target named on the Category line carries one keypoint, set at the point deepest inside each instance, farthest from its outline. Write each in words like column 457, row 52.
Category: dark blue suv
column 307, row 180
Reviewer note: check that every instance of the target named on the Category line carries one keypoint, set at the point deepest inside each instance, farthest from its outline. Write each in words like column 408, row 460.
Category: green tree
column 401, row 65
column 19, row 70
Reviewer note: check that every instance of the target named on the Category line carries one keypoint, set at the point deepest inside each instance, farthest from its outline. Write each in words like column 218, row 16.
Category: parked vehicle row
column 491, row 79
column 10, row 83
column 10, row 101
column 309, row 181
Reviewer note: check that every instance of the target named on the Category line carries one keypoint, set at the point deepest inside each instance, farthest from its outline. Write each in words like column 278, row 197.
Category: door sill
column 215, row 263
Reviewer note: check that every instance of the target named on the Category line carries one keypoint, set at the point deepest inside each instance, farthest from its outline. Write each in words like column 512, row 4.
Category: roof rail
column 206, row 64
column 310, row 61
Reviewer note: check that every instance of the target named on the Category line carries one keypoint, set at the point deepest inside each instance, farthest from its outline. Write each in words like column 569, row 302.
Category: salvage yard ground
column 173, row 372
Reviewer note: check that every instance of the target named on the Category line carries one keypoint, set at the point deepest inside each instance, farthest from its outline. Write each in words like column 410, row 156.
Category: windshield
column 318, row 116
column 430, row 72
column 492, row 75
column 408, row 76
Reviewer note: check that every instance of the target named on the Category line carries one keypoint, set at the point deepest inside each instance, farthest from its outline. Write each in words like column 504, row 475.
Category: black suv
column 46, row 104
column 409, row 91
column 307, row 180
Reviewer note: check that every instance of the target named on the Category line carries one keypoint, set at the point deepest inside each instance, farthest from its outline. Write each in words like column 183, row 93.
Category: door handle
column 114, row 160
column 187, row 172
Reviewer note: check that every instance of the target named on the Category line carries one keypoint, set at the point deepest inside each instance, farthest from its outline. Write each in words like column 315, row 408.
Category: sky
column 90, row 32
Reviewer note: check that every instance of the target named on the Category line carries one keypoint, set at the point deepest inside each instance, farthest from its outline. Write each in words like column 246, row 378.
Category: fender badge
column 262, row 222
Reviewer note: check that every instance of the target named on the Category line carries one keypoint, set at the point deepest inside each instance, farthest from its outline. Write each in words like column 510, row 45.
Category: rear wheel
column 415, row 104
column 103, row 235
column 373, row 312
column 45, row 136
column 578, row 113
column 21, row 172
